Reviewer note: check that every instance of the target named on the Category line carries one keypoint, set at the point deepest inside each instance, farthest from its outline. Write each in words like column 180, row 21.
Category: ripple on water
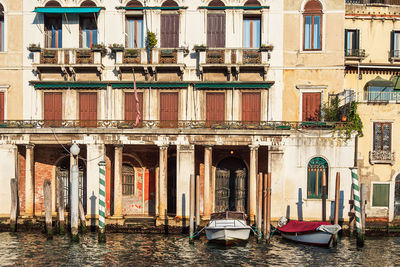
column 33, row 249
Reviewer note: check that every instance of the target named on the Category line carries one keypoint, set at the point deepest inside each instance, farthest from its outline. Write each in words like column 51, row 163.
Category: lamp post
column 74, row 192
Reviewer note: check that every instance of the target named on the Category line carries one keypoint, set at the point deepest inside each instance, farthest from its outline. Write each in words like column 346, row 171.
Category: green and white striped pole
column 102, row 201
column 357, row 205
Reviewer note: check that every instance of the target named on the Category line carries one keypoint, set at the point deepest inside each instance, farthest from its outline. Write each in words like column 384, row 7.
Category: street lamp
column 74, row 192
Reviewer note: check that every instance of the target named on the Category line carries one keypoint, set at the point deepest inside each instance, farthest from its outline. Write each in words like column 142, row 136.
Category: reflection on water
column 145, row 250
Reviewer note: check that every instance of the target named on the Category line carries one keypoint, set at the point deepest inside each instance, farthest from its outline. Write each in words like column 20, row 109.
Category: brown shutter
column 130, row 106
column 169, row 30
column 53, row 109
column 251, row 107
column 311, row 106
column 215, row 105
column 1, row 106
column 168, row 109
column 216, row 30
column 88, row 109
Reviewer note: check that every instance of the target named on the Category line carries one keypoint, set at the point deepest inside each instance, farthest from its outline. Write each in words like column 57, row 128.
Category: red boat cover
column 299, row 226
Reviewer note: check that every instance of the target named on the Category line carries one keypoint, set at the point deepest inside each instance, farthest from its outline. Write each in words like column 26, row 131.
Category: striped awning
column 233, row 85
column 150, row 85
column 69, row 10
column 234, row 7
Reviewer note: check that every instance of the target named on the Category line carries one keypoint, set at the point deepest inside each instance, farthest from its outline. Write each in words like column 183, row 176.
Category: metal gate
column 240, row 194
column 397, row 196
column 63, row 173
column 222, row 190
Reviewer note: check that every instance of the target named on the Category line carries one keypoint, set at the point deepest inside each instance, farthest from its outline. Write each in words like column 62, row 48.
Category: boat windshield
column 233, row 215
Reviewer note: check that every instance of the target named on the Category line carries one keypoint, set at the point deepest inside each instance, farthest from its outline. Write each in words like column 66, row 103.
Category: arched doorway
column 231, row 185
column 63, row 171
column 397, row 197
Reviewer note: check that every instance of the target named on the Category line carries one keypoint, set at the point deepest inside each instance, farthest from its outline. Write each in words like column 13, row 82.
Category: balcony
column 354, row 54
column 67, row 60
column 381, row 157
column 150, row 61
column 382, row 97
column 233, row 59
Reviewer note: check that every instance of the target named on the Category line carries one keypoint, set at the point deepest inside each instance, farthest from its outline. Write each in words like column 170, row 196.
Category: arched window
column 169, row 3
column 315, row 170
column 134, row 3
column 2, row 28
column 216, row 26
column 252, row 27
column 312, row 17
column 216, row 3
column 134, row 28
column 252, row 3
column 169, row 27
column 128, row 180
column 53, row 27
column 88, row 27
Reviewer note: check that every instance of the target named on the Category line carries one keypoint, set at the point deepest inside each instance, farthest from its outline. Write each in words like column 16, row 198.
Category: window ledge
column 312, row 51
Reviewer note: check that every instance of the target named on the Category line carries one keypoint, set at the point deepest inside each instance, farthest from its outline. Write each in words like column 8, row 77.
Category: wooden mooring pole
column 363, row 200
column 75, row 203
column 268, row 233
column 102, row 202
column 259, row 203
column 47, row 208
column 61, row 205
column 265, row 186
column 197, row 202
column 336, row 216
column 324, row 196
column 191, row 210
column 14, row 205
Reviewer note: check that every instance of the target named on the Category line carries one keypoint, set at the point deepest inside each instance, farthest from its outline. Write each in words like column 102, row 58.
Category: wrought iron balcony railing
column 355, row 53
column 373, row 96
column 156, row 124
column 234, row 56
column 381, row 156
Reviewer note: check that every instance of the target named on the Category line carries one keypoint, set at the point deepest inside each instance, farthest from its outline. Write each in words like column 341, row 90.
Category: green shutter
column 380, row 196
column 346, row 32
column 357, row 40
column 391, row 43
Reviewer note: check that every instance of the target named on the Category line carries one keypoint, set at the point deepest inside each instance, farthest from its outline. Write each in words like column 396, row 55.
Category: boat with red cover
column 311, row 233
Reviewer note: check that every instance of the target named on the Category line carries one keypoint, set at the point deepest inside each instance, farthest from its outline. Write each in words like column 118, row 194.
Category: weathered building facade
column 372, row 69
column 231, row 89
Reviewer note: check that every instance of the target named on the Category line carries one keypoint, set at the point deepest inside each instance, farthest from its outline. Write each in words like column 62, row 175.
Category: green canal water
column 32, row 249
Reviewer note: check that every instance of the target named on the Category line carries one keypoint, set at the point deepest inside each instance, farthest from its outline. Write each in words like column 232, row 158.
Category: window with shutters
column 2, row 106
column 52, row 109
column 131, row 106
column 380, row 195
column 169, row 30
column 128, row 180
column 216, row 30
column 315, row 171
column 352, row 44
column 311, row 106
column 382, row 143
column 169, row 110
column 312, row 31
column 251, row 32
column 251, row 107
column 215, row 108
column 53, row 31
column 395, row 44
column 88, row 31
column 88, row 109
column 2, row 28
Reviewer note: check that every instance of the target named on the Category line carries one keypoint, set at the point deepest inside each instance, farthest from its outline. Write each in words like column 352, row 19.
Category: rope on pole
column 102, row 201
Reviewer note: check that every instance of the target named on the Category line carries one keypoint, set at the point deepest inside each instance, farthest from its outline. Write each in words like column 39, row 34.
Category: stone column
column 162, row 194
column 29, row 182
column 253, row 180
column 118, row 181
column 185, row 167
column 207, row 181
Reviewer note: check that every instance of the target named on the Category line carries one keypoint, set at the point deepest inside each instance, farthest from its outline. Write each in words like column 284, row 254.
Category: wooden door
column 215, row 106
column 88, row 109
column 131, row 108
column 169, row 30
column 2, row 106
column 216, row 30
column 168, row 110
column 311, row 106
column 251, row 107
column 52, row 109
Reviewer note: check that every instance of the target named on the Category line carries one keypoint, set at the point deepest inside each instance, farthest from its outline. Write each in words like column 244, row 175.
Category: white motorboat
column 227, row 227
column 311, row 233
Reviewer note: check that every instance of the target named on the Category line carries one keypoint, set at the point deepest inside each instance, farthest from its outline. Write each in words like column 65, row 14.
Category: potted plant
column 98, row 47
column 34, row 48
column 117, row 48
column 151, row 39
column 265, row 47
column 200, row 47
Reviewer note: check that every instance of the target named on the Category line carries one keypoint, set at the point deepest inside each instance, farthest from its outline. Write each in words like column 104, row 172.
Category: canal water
column 33, row 249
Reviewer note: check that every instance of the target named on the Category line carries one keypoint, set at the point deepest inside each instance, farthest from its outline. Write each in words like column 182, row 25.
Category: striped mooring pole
column 102, row 201
column 356, row 193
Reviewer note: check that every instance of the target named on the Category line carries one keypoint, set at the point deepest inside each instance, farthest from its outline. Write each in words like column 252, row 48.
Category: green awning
column 234, row 7
column 232, row 85
column 396, row 82
column 379, row 82
column 150, row 85
column 152, row 7
column 70, row 10
column 70, row 86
